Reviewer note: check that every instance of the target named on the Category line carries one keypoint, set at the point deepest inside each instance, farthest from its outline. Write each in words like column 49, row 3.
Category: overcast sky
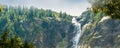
column 72, row 7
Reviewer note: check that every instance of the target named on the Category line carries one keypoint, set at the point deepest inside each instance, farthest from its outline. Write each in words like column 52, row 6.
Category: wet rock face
column 106, row 33
column 97, row 34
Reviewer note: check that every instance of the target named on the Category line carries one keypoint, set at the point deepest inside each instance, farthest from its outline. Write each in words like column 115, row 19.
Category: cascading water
column 77, row 32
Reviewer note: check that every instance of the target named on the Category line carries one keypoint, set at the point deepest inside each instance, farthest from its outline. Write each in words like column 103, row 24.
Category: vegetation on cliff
column 109, row 7
column 99, row 33
column 44, row 28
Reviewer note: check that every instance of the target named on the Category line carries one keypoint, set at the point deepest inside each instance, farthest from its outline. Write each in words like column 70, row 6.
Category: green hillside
column 44, row 28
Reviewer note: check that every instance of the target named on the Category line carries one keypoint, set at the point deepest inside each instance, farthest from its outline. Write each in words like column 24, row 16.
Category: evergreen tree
column 15, row 42
column 109, row 7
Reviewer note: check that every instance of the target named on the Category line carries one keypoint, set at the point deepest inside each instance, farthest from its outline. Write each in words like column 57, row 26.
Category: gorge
column 50, row 29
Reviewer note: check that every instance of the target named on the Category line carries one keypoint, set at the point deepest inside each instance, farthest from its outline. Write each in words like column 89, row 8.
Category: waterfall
column 77, row 32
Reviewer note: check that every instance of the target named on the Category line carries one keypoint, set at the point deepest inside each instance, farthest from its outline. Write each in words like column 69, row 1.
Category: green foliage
column 28, row 45
column 109, row 7
column 0, row 8
column 90, row 20
column 97, row 34
column 15, row 42
column 44, row 28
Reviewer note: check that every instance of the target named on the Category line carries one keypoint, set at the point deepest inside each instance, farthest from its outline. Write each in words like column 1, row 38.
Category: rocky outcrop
column 99, row 31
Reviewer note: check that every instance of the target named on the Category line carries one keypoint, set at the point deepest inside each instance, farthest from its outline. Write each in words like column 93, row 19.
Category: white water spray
column 77, row 32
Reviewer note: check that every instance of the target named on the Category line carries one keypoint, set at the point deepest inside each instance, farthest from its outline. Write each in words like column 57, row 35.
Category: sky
column 72, row 7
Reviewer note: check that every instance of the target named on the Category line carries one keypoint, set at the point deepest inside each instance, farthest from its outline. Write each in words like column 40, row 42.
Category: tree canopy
column 109, row 7
column 15, row 42
column 43, row 28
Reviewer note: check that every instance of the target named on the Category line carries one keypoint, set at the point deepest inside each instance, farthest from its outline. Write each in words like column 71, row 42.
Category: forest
column 99, row 25
column 33, row 25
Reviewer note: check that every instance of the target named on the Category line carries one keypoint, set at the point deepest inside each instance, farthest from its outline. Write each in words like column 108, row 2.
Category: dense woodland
column 14, row 42
column 42, row 28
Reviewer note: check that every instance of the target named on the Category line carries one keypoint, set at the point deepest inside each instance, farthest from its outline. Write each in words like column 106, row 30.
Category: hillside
column 44, row 28
column 99, row 31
